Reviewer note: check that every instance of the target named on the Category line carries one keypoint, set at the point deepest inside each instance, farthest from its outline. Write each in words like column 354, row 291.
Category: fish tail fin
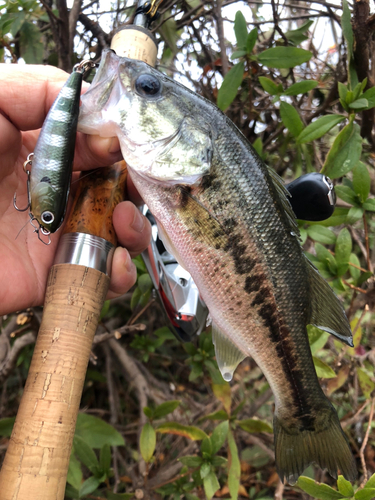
column 325, row 444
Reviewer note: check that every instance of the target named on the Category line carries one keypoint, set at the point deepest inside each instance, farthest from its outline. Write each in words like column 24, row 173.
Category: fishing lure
column 51, row 163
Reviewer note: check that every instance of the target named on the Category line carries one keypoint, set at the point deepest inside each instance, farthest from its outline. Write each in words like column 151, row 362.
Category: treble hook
column 85, row 65
column 27, row 172
column 40, row 229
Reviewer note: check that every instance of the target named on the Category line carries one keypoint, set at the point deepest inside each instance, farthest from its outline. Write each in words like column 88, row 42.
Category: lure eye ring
column 147, row 85
column 47, row 217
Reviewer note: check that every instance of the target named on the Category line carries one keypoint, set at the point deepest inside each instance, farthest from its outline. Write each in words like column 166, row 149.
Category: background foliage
column 157, row 419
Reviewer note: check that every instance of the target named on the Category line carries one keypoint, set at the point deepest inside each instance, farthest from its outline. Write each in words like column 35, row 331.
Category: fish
column 52, row 160
column 226, row 217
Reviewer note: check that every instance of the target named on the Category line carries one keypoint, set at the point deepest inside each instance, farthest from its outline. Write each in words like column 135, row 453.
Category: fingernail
column 114, row 146
column 128, row 263
column 138, row 223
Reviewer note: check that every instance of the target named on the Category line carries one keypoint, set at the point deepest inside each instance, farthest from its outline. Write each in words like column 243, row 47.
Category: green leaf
column 229, row 87
column 343, row 249
column 284, row 57
column 345, row 487
column 191, row 461
column 359, row 104
column 371, row 482
column 223, row 393
column 31, row 47
column 258, row 146
column 144, row 283
column 148, row 412
column 105, row 458
column 297, row 36
column 346, row 193
column 269, row 86
column 347, row 27
column 206, row 446
column 343, row 92
column 291, row 118
column 234, row 472
column 95, row 432
column 18, row 21
column 85, row 453
column 219, row 435
column 147, row 442
column 369, row 95
column 322, row 234
column 237, row 54
column 188, row 431
column 89, row 486
column 253, row 425
column 338, row 217
column 369, row 204
column 6, row 426
column 205, row 470
column 71, row 492
column 166, row 408
column 326, row 257
column 322, row 369
column 211, row 485
column 365, row 494
column 219, row 461
column 354, row 272
column 344, row 153
column 316, row 490
column 361, row 181
column 251, row 40
column 301, row 87
column 319, row 127
column 218, row 415
column 75, row 474
column 240, row 29
column 365, row 382
column 354, row 214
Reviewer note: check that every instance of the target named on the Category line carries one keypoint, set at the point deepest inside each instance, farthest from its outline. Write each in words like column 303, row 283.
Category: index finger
column 26, row 95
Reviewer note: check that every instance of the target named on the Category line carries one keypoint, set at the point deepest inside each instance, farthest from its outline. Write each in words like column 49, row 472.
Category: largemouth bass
column 226, row 218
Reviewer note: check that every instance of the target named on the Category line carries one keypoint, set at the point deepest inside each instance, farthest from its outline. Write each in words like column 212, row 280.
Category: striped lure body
column 53, row 157
column 226, row 218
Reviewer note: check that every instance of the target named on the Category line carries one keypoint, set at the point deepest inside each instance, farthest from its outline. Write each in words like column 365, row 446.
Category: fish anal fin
column 326, row 445
column 228, row 355
column 327, row 312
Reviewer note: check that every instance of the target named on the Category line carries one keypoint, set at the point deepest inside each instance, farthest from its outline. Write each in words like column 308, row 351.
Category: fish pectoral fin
column 327, row 313
column 228, row 355
column 324, row 444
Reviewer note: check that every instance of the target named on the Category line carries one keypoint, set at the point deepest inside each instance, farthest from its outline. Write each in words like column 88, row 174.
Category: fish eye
column 47, row 217
column 147, row 85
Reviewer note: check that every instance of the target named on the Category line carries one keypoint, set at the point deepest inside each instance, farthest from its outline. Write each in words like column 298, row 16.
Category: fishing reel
column 312, row 198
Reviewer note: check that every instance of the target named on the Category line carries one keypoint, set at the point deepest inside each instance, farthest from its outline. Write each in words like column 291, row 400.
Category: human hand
column 26, row 94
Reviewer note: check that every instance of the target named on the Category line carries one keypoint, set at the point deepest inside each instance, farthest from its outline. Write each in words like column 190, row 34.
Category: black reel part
column 313, row 197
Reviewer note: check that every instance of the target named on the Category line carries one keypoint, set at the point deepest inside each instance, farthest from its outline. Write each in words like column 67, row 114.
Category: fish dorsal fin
column 284, row 195
column 327, row 313
column 228, row 356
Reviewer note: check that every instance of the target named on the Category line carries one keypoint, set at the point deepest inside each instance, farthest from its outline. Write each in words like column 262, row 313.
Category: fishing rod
column 37, row 459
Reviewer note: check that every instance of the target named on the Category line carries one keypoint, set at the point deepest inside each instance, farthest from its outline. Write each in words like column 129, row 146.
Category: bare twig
column 279, row 491
column 220, row 35
column 362, row 450
column 11, row 359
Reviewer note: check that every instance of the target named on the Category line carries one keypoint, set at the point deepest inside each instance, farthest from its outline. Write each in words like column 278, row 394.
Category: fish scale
column 226, row 218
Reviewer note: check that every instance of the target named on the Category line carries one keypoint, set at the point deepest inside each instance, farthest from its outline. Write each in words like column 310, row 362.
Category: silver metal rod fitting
column 85, row 250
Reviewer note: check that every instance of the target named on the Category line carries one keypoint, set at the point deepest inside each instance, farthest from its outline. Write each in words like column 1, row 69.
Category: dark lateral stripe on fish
column 285, row 350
